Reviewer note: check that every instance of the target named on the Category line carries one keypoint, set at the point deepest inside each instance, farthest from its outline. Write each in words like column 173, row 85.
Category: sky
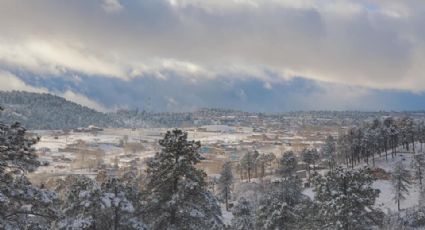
column 252, row 55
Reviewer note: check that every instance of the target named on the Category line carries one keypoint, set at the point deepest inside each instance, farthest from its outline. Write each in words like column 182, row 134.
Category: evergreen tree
column 310, row 156
column 283, row 206
column 177, row 194
column 419, row 167
column 287, row 164
column 103, row 204
column 248, row 163
column 22, row 205
column 243, row 218
column 329, row 151
column 407, row 132
column 401, row 183
column 225, row 183
column 346, row 199
column 80, row 201
column 420, row 133
column 264, row 161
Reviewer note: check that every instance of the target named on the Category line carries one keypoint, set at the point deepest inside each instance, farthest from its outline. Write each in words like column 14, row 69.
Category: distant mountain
column 46, row 111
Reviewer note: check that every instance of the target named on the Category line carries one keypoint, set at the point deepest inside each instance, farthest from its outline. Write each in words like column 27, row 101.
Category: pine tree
column 346, row 199
column 22, row 205
column 103, row 204
column 80, row 201
column 283, row 206
column 287, row 164
column 264, row 161
column 420, row 132
column 225, row 183
column 419, row 166
column 310, row 156
column 329, row 151
column 407, row 133
column 401, row 183
column 243, row 217
column 248, row 163
column 120, row 211
column 177, row 193
column 391, row 135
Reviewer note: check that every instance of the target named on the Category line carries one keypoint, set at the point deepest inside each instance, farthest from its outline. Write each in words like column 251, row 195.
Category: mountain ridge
column 47, row 111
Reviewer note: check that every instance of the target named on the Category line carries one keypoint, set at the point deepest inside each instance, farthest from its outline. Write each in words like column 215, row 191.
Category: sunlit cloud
column 372, row 44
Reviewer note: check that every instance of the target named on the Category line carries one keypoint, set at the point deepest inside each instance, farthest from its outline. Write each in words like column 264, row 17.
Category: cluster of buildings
column 225, row 137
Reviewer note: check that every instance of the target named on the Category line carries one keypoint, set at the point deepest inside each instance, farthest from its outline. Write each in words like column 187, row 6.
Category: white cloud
column 112, row 6
column 267, row 85
column 56, row 57
column 83, row 100
column 9, row 82
column 370, row 43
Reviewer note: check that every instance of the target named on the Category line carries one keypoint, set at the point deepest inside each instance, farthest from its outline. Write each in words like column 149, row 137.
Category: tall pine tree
column 177, row 193
column 243, row 216
column 329, row 152
column 22, row 205
column 225, row 183
column 346, row 199
column 401, row 183
column 287, row 164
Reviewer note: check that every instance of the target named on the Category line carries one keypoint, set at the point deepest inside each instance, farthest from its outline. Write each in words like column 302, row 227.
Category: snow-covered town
column 256, row 158
column 68, row 152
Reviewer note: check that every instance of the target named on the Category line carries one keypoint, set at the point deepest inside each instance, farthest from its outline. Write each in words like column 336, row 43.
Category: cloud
column 369, row 43
column 112, row 6
column 56, row 58
column 83, row 100
column 10, row 82
column 176, row 94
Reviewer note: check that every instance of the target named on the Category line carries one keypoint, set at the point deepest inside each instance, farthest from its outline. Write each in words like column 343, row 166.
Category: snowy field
column 385, row 200
column 52, row 145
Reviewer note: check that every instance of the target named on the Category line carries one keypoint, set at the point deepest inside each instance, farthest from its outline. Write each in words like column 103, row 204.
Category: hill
column 46, row 111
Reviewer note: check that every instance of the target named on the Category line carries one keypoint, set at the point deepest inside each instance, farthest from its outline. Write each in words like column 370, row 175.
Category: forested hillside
column 46, row 111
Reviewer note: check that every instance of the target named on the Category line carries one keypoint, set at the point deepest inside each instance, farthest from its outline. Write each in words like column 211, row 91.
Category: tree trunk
column 413, row 143
column 386, row 154
column 227, row 200
column 263, row 170
column 241, row 172
column 173, row 210
column 309, row 175
column 398, row 205
column 116, row 219
column 116, row 216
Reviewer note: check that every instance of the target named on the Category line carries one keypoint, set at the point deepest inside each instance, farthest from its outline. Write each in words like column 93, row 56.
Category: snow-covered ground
column 227, row 215
column 385, row 200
